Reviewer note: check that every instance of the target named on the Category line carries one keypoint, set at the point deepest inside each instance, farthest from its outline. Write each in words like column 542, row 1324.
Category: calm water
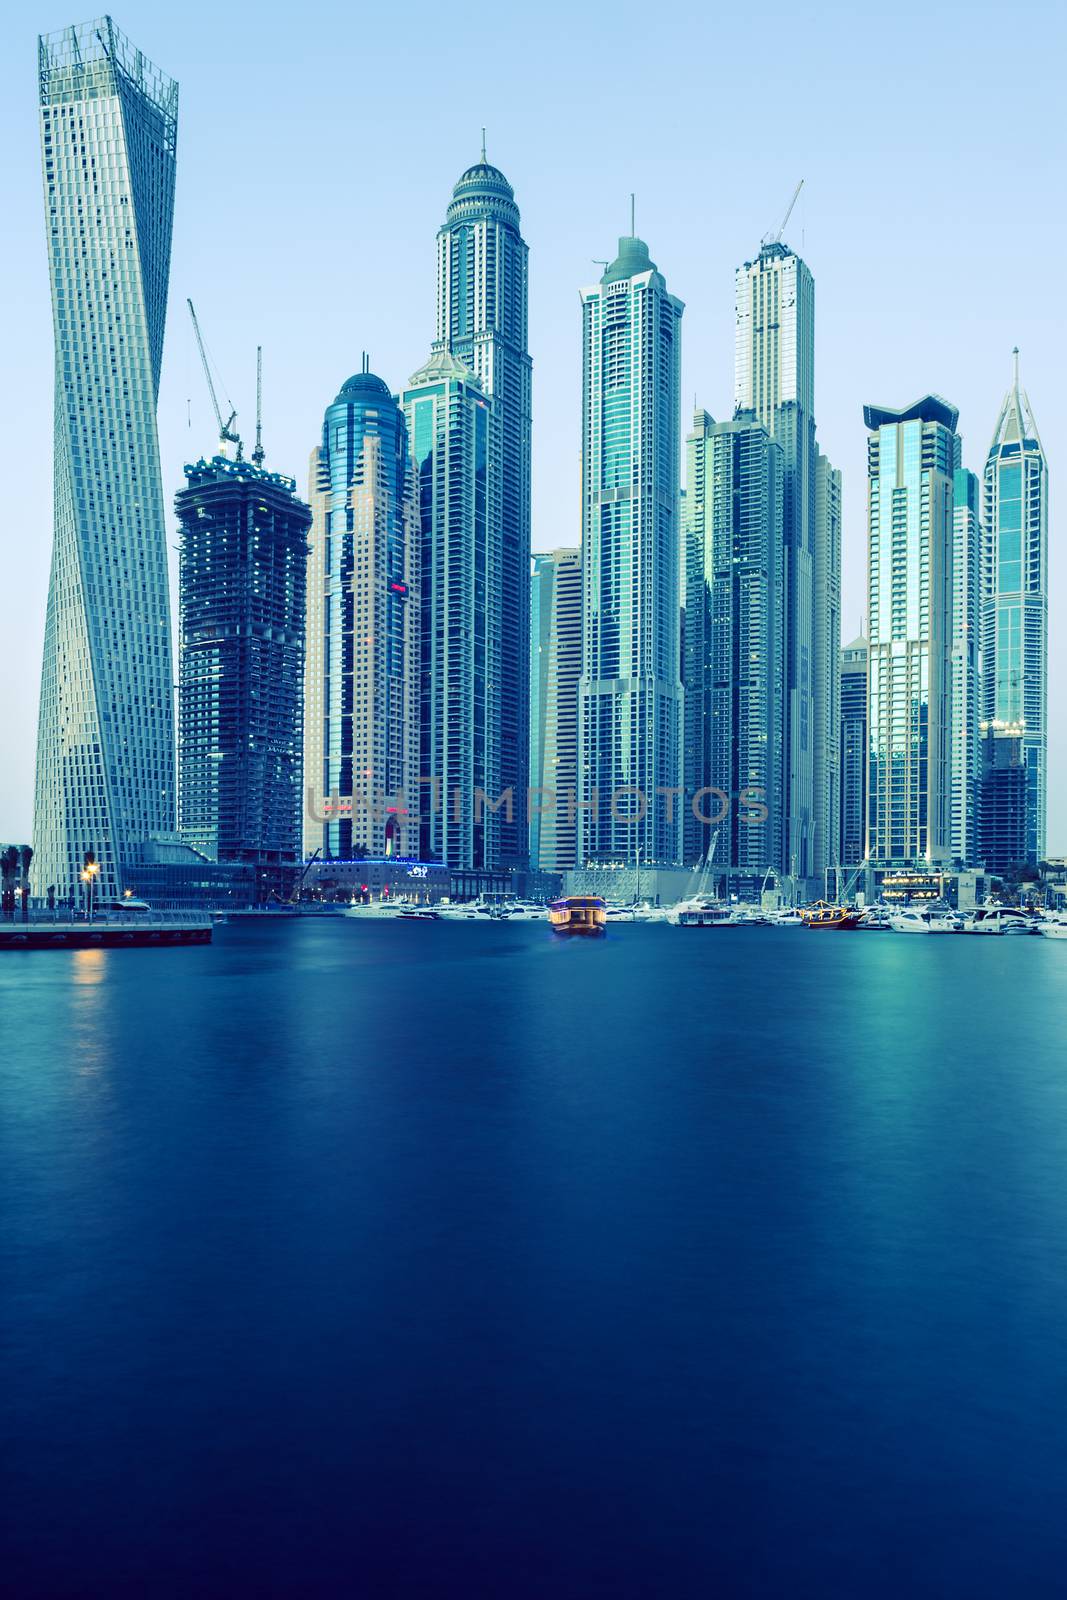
column 454, row 1260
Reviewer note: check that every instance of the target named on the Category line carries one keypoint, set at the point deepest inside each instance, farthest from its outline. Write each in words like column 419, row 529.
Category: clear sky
column 317, row 149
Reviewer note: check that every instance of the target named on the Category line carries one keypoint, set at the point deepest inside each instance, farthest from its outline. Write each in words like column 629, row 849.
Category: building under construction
column 243, row 581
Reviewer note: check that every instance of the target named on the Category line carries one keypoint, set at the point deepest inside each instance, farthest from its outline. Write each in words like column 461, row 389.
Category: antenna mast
column 258, row 452
column 226, row 431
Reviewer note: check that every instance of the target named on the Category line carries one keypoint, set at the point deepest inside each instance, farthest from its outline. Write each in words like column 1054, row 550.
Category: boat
column 1000, row 920
column 874, row 919
column 1054, row 930
column 578, row 913
column 419, row 914
column 706, row 914
column 787, row 917
column 912, row 920
column 824, row 915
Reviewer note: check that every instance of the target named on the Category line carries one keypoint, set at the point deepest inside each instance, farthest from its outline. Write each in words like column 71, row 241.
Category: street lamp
column 89, row 877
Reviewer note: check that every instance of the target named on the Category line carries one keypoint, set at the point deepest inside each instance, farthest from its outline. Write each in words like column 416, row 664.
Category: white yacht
column 1000, row 920
column 911, row 920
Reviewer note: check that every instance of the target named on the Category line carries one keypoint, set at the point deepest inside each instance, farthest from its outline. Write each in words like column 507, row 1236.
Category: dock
column 159, row 931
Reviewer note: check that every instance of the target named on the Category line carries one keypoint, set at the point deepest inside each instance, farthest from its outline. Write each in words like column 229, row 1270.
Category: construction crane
column 226, row 429
column 258, row 453
column 776, row 238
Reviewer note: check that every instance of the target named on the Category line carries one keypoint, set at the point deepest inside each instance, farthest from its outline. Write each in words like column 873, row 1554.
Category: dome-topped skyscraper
column 481, row 188
column 361, row 682
column 482, row 320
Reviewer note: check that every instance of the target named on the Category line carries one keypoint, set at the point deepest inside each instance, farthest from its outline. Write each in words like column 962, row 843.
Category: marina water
column 436, row 1259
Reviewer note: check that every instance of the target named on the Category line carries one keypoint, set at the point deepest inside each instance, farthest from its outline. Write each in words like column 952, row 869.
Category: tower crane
column 777, row 237
column 226, row 429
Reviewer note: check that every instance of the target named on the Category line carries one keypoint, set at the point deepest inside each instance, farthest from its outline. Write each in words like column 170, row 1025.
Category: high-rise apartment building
column 555, row 667
column 854, row 753
column 826, row 656
column 362, row 679
column 455, row 448
column 242, row 591
column 964, row 669
column 918, row 751
column 734, row 645
column 774, row 377
column 105, row 743
column 482, row 319
column 630, row 694
column 1014, row 632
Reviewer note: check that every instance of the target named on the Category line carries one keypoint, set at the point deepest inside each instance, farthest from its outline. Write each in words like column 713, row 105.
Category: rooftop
column 931, row 408
column 633, row 258
column 482, row 188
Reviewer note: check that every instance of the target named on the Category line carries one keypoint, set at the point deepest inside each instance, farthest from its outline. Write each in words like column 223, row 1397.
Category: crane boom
column 258, row 453
column 226, row 432
column 789, row 213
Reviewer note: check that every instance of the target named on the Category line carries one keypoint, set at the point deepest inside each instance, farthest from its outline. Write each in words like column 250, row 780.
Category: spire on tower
column 484, row 163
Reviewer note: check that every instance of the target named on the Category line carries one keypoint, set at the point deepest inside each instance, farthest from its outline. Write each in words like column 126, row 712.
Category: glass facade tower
column 914, row 747
column 1014, row 629
column 482, row 319
column 361, row 735
column 774, row 378
column 964, row 670
column 555, row 667
column 452, row 426
column 735, row 643
column 854, row 753
column 630, row 694
column 105, row 743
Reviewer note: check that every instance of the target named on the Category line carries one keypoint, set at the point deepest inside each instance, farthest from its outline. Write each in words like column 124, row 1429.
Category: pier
column 158, row 931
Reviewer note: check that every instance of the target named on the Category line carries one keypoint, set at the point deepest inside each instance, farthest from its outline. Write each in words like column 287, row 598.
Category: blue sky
column 318, row 145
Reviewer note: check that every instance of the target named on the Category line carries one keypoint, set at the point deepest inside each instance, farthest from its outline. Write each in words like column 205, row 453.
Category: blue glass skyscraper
column 920, row 752
column 630, row 693
column 1015, row 637
column 735, row 643
column 361, row 686
column 452, row 425
column 774, row 377
column 105, row 744
column 482, row 320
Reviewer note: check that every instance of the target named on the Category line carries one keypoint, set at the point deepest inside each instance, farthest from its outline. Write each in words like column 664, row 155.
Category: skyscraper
column 913, row 456
column 854, row 753
column 482, row 320
column 630, row 694
column 453, row 430
column 362, row 687
column 735, row 643
column 242, row 589
column 555, row 667
column 964, row 669
column 826, row 658
column 105, row 742
column 1014, row 629
column 774, row 377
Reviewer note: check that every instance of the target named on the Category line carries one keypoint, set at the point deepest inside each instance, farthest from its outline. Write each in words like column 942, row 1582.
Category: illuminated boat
column 578, row 913
column 824, row 915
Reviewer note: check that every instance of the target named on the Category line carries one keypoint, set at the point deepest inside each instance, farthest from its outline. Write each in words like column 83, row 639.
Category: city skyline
column 955, row 345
